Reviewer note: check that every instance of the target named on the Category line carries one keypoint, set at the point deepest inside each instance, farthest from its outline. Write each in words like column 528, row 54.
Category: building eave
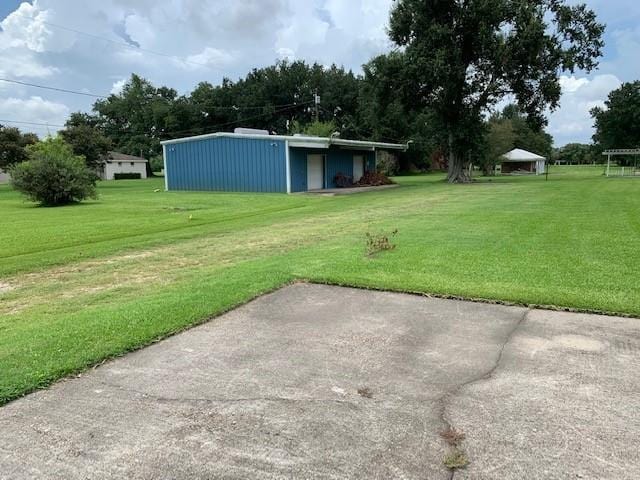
column 296, row 141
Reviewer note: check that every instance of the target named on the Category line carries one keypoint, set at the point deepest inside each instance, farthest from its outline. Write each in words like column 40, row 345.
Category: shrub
column 53, row 175
column 373, row 179
column 127, row 176
column 156, row 163
column 387, row 163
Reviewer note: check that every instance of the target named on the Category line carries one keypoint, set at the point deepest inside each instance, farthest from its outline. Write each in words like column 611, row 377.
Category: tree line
column 454, row 62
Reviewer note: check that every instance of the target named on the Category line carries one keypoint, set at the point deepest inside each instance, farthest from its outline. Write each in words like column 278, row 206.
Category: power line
column 27, row 84
column 31, row 123
column 122, row 44
column 174, row 132
column 257, row 107
column 76, row 92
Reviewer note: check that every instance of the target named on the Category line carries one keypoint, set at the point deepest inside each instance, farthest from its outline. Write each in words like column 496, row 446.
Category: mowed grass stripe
column 566, row 242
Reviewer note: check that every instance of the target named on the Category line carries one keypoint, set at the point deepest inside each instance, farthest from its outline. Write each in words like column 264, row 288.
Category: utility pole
column 316, row 99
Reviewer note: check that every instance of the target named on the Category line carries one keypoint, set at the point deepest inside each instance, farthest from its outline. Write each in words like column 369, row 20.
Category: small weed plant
column 455, row 459
column 379, row 242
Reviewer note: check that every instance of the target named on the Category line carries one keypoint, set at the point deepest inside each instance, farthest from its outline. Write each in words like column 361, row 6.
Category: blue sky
column 228, row 38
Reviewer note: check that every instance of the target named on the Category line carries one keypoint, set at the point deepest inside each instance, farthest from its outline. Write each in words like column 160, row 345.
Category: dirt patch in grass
column 5, row 287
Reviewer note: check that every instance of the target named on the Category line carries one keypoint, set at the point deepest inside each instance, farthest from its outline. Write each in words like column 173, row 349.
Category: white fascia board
column 164, row 161
column 357, row 147
column 365, row 144
column 310, row 142
column 305, row 144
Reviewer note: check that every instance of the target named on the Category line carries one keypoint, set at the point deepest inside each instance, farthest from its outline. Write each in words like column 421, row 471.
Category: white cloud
column 34, row 109
column 140, row 30
column 573, row 122
column 230, row 37
column 286, row 54
column 211, row 57
column 23, row 65
column 118, row 86
column 28, row 27
column 571, row 84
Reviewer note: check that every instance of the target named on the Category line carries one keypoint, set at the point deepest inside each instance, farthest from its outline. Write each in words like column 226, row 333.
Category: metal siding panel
column 339, row 161
column 262, row 176
column 371, row 162
column 249, row 167
column 209, row 152
column 299, row 165
column 196, row 173
column 216, row 149
column 239, row 168
column 227, row 164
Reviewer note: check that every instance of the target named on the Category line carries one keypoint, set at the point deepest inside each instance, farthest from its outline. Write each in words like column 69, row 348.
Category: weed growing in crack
column 365, row 392
column 455, row 459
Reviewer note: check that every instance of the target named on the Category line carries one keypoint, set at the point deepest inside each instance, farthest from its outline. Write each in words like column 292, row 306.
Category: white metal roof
column 519, row 155
column 297, row 140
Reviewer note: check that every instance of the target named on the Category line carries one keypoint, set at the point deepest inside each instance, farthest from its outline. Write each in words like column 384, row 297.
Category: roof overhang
column 299, row 141
column 125, row 160
column 519, row 155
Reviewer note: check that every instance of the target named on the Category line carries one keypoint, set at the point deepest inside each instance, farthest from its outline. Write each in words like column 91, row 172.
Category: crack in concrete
column 446, row 397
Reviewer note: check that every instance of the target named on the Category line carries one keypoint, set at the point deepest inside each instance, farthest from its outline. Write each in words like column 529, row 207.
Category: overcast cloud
column 215, row 38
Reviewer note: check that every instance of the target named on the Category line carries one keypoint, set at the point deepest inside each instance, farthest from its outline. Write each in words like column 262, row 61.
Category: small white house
column 4, row 177
column 121, row 163
column 521, row 161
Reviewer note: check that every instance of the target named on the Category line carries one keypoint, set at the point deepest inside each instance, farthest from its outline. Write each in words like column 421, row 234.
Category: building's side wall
column 227, row 164
column 338, row 161
column 4, row 177
column 112, row 168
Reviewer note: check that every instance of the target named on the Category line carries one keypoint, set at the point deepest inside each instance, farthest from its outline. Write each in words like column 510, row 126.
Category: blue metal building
column 258, row 162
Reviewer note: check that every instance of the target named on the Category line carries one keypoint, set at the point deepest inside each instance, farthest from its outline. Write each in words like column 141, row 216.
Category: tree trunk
column 457, row 172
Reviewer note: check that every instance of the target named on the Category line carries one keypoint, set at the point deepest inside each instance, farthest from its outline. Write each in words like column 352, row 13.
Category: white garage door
column 315, row 172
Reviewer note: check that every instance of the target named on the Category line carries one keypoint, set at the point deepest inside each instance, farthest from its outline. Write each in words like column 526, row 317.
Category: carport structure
column 522, row 161
column 630, row 171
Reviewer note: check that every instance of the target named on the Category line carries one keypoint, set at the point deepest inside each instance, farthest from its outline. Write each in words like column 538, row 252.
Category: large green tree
column 13, row 145
column 86, row 139
column 272, row 98
column 501, row 138
column 386, row 112
column 510, row 129
column 618, row 124
column 465, row 55
column 137, row 118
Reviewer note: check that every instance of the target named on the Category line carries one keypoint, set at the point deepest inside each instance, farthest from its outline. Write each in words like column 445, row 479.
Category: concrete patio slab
column 326, row 382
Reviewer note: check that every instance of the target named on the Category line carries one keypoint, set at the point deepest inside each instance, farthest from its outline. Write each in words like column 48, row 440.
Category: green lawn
column 82, row 283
